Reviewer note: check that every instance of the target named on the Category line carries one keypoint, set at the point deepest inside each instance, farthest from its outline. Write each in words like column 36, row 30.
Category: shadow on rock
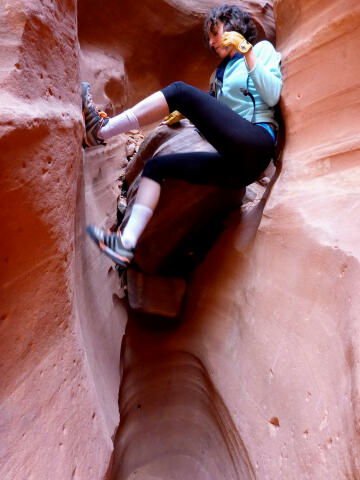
column 174, row 424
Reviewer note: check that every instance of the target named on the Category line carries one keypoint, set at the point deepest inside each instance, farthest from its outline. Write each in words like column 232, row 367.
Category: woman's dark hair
column 234, row 20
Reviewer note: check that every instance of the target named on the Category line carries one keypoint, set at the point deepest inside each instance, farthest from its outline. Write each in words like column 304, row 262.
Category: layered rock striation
column 258, row 378
column 59, row 344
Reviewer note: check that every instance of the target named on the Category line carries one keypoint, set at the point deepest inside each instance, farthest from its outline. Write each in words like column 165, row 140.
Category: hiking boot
column 111, row 244
column 94, row 119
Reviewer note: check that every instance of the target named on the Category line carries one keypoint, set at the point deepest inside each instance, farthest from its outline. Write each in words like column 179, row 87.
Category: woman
column 237, row 119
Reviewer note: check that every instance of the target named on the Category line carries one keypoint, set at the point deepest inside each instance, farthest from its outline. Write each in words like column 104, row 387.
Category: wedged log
column 184, row 226
column 155, row 295
column 186, row 216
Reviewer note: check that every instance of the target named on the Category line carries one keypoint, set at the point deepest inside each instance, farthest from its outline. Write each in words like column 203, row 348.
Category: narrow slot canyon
column 232, row 358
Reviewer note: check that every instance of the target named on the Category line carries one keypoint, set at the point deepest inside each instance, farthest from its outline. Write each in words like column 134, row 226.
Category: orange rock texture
column 59, row 364
column 259, row 378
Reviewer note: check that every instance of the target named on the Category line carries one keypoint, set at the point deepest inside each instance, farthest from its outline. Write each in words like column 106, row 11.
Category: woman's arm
column 250, row 59
column 263, row 63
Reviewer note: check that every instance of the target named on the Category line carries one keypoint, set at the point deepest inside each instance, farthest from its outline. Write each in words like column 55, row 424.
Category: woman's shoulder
column 264, row 45
column 266, row 50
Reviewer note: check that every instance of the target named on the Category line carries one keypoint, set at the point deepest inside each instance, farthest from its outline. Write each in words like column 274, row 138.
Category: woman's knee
column 153, row 169
column 179, row 85
column 174, row 93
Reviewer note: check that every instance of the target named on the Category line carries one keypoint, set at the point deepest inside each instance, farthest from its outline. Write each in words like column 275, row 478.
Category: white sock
column 122, row 123
column 139, row 218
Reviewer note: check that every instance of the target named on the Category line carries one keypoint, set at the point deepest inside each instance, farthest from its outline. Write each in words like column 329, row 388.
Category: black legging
column 244, row 149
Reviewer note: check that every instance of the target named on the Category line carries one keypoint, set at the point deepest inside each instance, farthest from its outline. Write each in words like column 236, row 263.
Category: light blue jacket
column 265, row 83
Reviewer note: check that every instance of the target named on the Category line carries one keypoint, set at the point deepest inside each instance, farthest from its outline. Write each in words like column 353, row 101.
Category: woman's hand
column 235, row 40
column 174, row 117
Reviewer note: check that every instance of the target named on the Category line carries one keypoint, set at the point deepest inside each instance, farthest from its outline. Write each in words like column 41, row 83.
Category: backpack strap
column 212, row 88
column 245, row 91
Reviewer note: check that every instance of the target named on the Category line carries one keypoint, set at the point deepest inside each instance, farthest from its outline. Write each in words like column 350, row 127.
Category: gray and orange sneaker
column 94, row 119
column 111, row 244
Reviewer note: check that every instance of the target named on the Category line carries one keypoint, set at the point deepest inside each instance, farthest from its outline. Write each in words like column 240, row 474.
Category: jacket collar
column 220, row 70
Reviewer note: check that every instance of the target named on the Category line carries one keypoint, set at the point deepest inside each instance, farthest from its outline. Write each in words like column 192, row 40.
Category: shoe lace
column 109, row 239
column 101, row 113
column 97, row 109
column 112, row 239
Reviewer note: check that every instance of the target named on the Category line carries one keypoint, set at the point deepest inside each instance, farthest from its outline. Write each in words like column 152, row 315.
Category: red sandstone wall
column 59, row 361
column 261, row 378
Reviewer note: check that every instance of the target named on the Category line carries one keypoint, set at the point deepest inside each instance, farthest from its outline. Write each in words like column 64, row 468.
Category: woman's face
column 215, row 42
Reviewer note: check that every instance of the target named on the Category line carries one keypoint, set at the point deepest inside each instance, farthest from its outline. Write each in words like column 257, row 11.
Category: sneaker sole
column 115, row 257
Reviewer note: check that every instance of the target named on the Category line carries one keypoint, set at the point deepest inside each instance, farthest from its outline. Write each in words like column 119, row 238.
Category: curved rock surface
column 174, row 418
column 59, row 362
column 260, row 379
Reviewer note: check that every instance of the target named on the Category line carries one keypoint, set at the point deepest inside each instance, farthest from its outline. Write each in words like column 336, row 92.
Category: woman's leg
column 145, row 203
column 248, row 147
column 217, row 122
column 98, row 127
column 227, row 131
column 119, row 246
column 204, row 168
column 199, row 168
column 149, row 110
column 148, row 193
column 224, row 129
